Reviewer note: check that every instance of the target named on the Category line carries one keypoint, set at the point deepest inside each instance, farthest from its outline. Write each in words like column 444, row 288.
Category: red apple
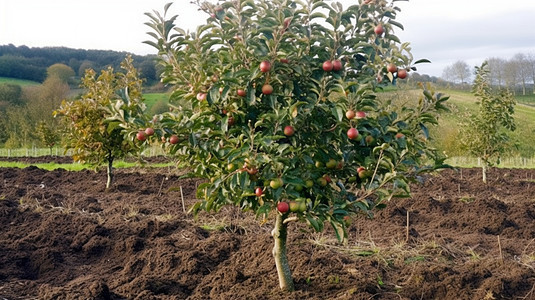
column 360, row 169
column 173, row 139
column 283, row 207
column 231, row 121
column 360, row 115
column 242, row 93
column 267, row 89
column 379, row 30
column 352, row 133
column 141, row 136
column 399, row 135
column 149, row 131
column 350, row 114
column 328, row 66
column 392, row 68
column 258, row 192
column 265, row 66
column 402, row 73
column 284, row 60
column 201, row 96
column 337, row 65
column 289, row 130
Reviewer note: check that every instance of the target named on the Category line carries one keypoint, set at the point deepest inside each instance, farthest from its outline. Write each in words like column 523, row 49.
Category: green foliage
column 61, row 71
column 93, row 123
column 238, row 142
column 48, row 136
column 484, row 134
column 10, row 94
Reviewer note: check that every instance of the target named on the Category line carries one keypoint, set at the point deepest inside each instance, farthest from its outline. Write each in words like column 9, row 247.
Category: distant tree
column 461, row 71
column 523, row 70
column 92, row 123
column 496, row 67
column 147, row 69
column 61, row 71
column 84, row 66
column 10, row 94
column 531, row 67
column 48, row 135
column 484, row 133
column 511, row 75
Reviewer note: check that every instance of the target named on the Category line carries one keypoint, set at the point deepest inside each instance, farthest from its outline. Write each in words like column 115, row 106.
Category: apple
column 201, row 96
column 327, row 178
column 231, row 167
column 347, row 221
column 369, row 139
column 302, row 206
column 328, row 66
column 294, row 206
column 399, row 135
column 284, row 60
column 231, row 121
column 350, row 114
column 267, row 89
column 275, row 183
column 340, row 165
column 258, row 192
column 352, row 133
column 322, row 181
column 265, row 66
column 360, row 114
column 289, row 130
column 149, row 131
column 392, row 68
column 331, row 164
column 298, row 188
column 318, row 164
column 337, row 65
column 309, row 183
column 379, row 30
column 173, row 139
column 141, row 136
column 242, row 93
column 283, row 207
column 402, row 73
column 360, row 169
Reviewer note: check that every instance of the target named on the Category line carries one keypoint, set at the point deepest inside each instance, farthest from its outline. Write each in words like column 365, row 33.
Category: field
column 64, row 237
column 21, row 82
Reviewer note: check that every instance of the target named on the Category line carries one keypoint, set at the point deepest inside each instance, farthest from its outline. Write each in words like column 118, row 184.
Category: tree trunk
column 110, row 172
column 280, row 233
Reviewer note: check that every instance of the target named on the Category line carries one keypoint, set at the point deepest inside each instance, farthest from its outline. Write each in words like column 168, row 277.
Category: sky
column 443, row 31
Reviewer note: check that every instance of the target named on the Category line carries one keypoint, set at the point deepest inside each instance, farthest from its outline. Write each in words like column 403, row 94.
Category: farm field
column 64, row 237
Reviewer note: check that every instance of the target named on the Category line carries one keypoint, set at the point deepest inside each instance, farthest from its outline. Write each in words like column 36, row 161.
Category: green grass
column 527, row 99
column 152, row 98
column 20, row 82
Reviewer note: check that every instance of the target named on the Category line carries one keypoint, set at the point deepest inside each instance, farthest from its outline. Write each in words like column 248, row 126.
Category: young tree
column 278, row 110
column 484, row 134
column 93, row 122
column 48, row 136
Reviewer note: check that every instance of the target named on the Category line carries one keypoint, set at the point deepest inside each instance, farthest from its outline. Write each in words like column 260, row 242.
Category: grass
column 526, row 99
column 21, row 82
column 152, row 98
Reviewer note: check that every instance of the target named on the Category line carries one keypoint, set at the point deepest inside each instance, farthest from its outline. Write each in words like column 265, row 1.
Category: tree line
column 27, row 63
column 517, row 73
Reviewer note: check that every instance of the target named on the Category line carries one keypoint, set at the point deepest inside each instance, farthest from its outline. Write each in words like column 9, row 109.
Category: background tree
column 278, row 112
column 61, row 71
column 496, row 68
column 484, row 135
column 48, row 135
column 92, row 123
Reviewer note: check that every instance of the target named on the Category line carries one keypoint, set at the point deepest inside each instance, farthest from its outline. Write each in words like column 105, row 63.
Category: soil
column 62, row 236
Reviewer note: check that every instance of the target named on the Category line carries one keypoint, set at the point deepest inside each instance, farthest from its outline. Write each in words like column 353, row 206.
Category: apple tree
column 277, row 109
column 485, row 132
column 93, row 123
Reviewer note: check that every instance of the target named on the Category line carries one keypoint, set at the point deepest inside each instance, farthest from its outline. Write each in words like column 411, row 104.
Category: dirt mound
column 64, row 237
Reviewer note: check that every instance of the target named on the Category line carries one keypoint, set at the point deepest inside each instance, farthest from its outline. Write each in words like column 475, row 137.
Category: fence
column 34, row 152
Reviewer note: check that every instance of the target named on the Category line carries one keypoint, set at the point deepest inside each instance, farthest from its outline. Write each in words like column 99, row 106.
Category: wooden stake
column 407, row 228
column 182, row 196
column 500, row 247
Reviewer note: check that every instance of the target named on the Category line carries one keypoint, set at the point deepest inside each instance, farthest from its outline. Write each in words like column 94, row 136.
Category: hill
column 27, row 63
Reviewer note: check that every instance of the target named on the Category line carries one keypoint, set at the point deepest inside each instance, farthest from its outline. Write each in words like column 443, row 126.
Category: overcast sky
column 443, row 31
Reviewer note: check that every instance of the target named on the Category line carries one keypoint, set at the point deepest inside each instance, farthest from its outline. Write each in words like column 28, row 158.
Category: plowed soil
column 62, row 236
